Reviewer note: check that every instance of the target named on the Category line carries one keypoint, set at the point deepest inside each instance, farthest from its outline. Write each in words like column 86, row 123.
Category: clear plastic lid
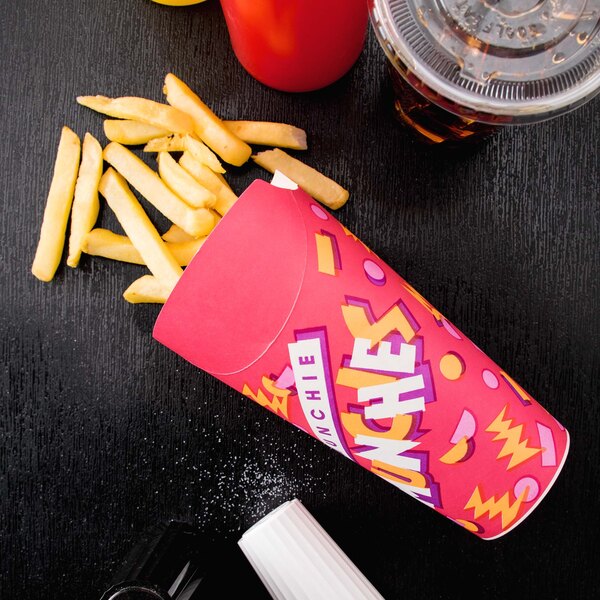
column 523, row 59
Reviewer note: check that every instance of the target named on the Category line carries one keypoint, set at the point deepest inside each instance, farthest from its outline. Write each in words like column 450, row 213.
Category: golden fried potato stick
column 186, row 250
column 183, row 184
column 58, row 206
column 315, row 184
column 146, row 289
column 167, row 143
column 202, row 153
column 180, row 143
column 265, row 133
column 207, row 126
column 141, row 109
column 139, row 229
column 131, row 133
column 223, row 181
column 176, row 234
column 218, row 217
column 211, row 180
column 85, row 204
column 195, row 221
column 105, row 243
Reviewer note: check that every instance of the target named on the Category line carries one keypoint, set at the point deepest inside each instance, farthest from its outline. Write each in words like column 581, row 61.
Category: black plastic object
column 176, row 562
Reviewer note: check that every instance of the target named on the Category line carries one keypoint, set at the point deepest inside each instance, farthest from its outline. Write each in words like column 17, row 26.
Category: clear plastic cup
column 462, row 67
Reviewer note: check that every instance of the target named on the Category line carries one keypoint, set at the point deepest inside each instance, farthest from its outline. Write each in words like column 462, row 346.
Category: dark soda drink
column 431, row 123
column 461, row 68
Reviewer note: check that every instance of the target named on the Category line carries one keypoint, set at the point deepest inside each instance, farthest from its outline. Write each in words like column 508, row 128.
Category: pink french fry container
column 287, row 306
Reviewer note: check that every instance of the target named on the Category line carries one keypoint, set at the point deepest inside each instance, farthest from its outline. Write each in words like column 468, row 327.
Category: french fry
column 58, row 206
column 202, row 153
column 176, row 234
column 139, row 229
column 207, row 126
column 167, row 143
column 210, row 180
column 183, row 184
column 185, row 251
column 223, row 181
column 315, row 184
column 218, row 217
column 265, row 133
column 105, row 243
column 140, row 109
column 146, row 289
column 85, row 203
column 195, row 221
column 131, row 133
column 180, row 143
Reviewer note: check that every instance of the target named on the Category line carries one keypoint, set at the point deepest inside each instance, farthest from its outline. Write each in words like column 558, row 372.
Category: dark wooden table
column 103, row 432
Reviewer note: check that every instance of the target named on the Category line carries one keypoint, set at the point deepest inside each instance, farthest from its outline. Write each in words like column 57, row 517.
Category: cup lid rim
column 498, row 97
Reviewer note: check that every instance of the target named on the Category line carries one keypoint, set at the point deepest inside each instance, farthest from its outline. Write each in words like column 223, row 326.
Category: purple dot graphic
column 489, row 379
column 450, row 329
column 374, row 272
column 527, row 482
column 319, row 212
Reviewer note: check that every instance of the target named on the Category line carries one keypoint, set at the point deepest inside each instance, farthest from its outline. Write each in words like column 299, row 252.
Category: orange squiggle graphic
column 278, row 402
column 493, row 507
column 517, row 449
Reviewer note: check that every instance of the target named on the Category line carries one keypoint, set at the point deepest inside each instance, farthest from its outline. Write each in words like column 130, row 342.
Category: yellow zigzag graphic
column 517, row 449
column 494, row 507
column 278, row 402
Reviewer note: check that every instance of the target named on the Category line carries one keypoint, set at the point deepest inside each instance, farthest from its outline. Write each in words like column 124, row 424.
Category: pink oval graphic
column 490, row 379
column 319, row 212
column 532, row 486
column 374, row 272
column 450, row 329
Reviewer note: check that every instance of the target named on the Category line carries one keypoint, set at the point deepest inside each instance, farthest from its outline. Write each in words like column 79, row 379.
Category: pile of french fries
column 191, row 191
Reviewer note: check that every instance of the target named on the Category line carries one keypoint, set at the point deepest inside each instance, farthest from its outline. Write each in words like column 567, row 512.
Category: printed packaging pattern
column 287, row 306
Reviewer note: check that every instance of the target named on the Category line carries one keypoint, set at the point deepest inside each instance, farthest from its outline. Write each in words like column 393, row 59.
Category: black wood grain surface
column 103, row 432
